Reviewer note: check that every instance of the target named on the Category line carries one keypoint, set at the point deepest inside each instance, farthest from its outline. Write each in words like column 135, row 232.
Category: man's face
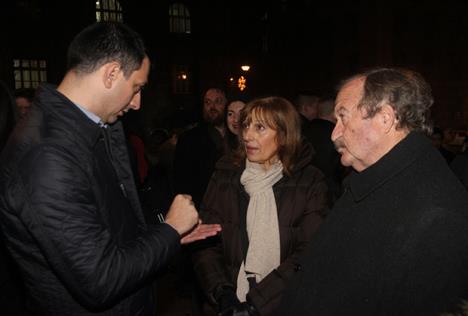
column 356, row 137
column 214, row 104
column 23, row 105
column 126, row 93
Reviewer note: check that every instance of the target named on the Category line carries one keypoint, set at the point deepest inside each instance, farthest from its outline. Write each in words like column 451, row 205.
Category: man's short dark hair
column 104, row 42
column 405, row 90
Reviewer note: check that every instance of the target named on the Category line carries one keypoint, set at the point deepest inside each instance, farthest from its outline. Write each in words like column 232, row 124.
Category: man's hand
column 201, row 231
column 182, row 215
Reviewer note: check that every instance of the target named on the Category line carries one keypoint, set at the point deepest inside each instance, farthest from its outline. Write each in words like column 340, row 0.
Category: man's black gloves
column 226, row 299
column 229, row 304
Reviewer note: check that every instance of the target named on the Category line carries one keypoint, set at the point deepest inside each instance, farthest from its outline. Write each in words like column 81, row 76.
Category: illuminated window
column 108, row 10
column 179, row 19
column 181, row 80
column 29, row 73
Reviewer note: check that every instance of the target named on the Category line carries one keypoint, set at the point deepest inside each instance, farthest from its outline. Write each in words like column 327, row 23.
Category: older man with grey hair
column 396, row 241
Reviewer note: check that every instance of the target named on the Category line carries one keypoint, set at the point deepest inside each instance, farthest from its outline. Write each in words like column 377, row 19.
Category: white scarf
column 263, row 255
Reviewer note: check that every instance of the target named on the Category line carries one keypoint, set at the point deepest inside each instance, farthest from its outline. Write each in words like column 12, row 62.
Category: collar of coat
column 395, row 161
column 72, row 124
column 74, row 121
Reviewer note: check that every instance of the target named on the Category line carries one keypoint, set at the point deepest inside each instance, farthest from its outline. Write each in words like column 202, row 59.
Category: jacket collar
column 76, row 122
column 399, row 158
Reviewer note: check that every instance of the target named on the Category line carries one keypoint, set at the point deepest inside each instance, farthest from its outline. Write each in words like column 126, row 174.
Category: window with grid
column 181, row 80
column 179, row 19
column 108, row 10
column 29, row 73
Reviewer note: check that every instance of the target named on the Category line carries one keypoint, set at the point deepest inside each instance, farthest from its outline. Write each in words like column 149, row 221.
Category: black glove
column 241, row 309
column 226, row 299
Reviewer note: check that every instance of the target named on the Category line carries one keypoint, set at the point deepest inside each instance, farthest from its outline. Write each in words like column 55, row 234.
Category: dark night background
column 291, row 46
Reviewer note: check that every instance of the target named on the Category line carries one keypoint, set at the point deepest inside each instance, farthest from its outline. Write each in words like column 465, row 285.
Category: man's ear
column 110, row 73
column 388, row 117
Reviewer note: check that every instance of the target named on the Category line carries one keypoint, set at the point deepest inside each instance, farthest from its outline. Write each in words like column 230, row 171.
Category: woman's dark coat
column 301, row 202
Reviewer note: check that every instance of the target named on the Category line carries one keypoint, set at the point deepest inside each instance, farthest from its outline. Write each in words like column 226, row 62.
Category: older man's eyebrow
column 340, row 109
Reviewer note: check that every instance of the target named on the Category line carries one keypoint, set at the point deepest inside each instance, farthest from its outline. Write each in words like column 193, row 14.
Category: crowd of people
column 323, row 206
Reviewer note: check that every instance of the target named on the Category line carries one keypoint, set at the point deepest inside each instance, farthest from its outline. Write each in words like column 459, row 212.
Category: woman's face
column 260, row 142
column 233, row 112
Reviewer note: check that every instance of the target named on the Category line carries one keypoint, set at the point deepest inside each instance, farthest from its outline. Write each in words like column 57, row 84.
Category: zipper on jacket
column 124, row 192
column 107, row 146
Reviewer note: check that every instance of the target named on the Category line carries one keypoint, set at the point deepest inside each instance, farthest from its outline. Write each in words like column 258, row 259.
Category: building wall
column 291, row 46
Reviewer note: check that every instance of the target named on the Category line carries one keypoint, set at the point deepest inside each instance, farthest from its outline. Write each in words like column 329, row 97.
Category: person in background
column 69, row 208
column 7, row 114
column 306, row 105
column 199, row 148
column 232, row 121
column 11, row 285
column 326, row 158
column 459, row 164
column 395, row 242
column 269, row 200
column 23, row 99
column 438, row 141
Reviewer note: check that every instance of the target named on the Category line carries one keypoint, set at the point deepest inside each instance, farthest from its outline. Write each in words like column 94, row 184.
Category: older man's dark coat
column 394, row 244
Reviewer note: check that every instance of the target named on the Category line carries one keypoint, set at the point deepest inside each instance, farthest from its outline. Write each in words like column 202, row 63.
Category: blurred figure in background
column 199, row 148
column 23, row 100
column 438, row 140
column 7, row 114
column 232, row 121
column 270, row 200
column 326, row 158
column 306, row 105
column 459, row 164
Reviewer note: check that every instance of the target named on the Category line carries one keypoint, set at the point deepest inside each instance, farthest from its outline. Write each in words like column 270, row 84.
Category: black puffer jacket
column 71, row 216
column 301, row 203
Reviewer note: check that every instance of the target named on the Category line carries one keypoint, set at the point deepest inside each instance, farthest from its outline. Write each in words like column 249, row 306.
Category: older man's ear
column 388, row 118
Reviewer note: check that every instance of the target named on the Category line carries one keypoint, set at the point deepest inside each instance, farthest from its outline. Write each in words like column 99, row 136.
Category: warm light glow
column 242, row 83
column 184, row 76
column 245, row 67
column 231, row 79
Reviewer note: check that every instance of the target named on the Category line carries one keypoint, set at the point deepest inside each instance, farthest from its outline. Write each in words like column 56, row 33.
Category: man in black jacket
column 69, row 209
column 198, row 149
column 395, row 242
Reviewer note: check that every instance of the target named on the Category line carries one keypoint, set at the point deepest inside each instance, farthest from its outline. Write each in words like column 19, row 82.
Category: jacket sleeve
column 60, row 212
column 267, row 295
column 208, row 255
